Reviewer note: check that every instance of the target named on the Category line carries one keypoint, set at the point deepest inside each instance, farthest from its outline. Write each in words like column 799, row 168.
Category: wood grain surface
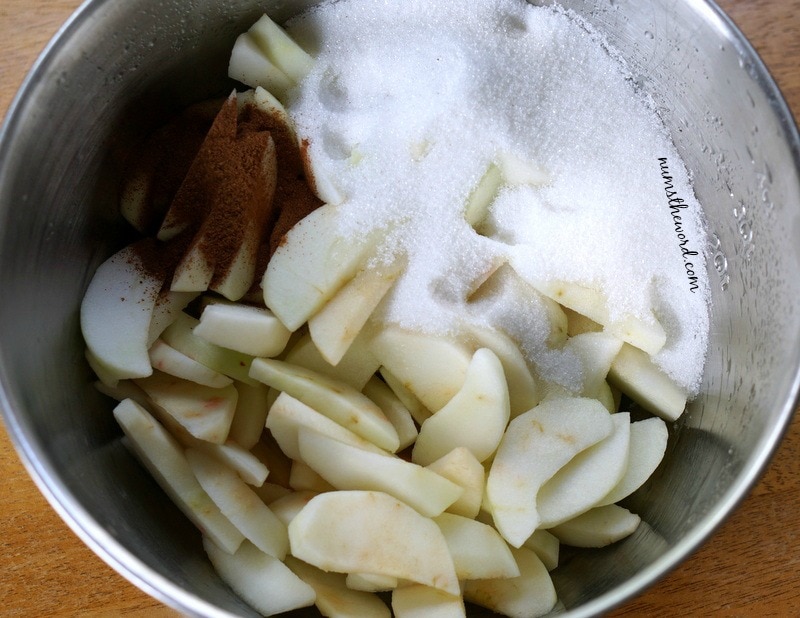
column 749, row 568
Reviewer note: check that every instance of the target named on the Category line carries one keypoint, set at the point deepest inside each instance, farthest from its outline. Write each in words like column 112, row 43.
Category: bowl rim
column 112, row 552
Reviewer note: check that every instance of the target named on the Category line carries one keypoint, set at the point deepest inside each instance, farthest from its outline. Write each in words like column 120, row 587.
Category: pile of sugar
column 409, row 103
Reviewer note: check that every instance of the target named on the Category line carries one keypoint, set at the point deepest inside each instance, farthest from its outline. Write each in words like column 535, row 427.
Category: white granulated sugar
column 410, row 102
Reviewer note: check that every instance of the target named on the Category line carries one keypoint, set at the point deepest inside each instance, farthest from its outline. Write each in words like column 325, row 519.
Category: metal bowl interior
column 117, row 69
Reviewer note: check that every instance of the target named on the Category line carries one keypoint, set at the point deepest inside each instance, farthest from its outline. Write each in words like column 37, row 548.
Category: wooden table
column 749, row 569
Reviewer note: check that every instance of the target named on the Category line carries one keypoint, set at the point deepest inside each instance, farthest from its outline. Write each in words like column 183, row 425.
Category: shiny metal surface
column 118, row 67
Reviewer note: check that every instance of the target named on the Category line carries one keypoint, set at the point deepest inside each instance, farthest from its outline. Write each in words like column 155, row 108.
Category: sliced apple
column 372, row 532
column 635, row 374
column 546, row 546
column 334, row 598
column 261, row 580
column 337, row 324
column 587, row 478
column 314, row 261
column 249, row 468
column 348, row 467
column 368, row 582
column 462, row 468
column 168, row 360
column 355, row 368
column 250, row 330
column 304, row 478
column 529, row 595
column 286, row 507
column 250, row 415
column 517, row 171
column 412, row 403
column 249, row 65
column 239, row 504
column 418, row 601
column 431, row 367
column 164, row 459
column 281, row 49
column 168, row 307
column 483, row 195
column 598, row 527
column 556, row 430
column 337, row 400
column 478, row 550
column 116, row 312
column 393, row 409
column 596, row 352
column 475, row 417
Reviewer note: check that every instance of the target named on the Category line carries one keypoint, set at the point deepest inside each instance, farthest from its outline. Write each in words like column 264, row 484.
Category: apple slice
column 527, row 596
column 461, row 467
column 340, row 402
column 546, row 546
column 334, row 598
column 475, row 417
column 368, row 582
column 348, row 467
column 596, row 352
column 249, row 65
column 556, row 430
column 116, row 312
column 168, row 307
column 393, row 409
column 412, row 403
column 478, row 550
column 250, row 415
column 166, row 462
column 261, row 580
column 648, row 442
column 336, row 325
column 635, row 374
column 267, row 103
column 598, row 527
column 281, row 49
column 205, row 412
column 239, row 504
column 314, row 261
column 372, row 532
column 288, row 506
column 518, row 171
column 304, row 478
column 418, row 601
column 250, row 330
column 431, row 367
column 168, row 360
column 355, row 368
column 249, row 468
column 587, row 478
column 482, row 196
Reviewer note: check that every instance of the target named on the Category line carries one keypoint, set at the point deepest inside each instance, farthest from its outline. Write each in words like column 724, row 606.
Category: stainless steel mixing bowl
column 119, row 67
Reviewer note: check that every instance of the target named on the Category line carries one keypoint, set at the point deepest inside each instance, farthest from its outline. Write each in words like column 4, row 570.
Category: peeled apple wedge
column 596, row 352
column 526, row 596
column 355, row 368
column 546, row 546
column 164, row 459
column 483, row 195
column 418, row 601
column 339, row 401
column 461, row 467
column 415, row 407
column 168, row 360
column 598, row 527
column 393, row 408
column 168, row 307
column 372, row 532
column 475, row 417
column 249, row 330
column 240, row 504
column 311, row 265
column 281, row 49
column 348, row 467
column 304, row 478
column 556, row 430
column 116, row 312
column 478, row 550
column 635, row 374
column 249, row 65
column 250, row 415
column 432, row 368
column 370, row 583
column 263, row 581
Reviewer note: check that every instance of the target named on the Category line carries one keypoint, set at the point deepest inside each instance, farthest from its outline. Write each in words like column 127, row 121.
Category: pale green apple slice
column 250, row 416
column 546, row 545
column 598, row 527
column 334, row 598
column 529, row 595
column 180, row 335
column 205, row 412
column 239, row 504
column 115, row 314
column 370, row 583
column 312, row 263
column 355, row 368
column 281, row 49
column 393, row 408
column 648, row 443
column 587, row 478
column 635, row 374
column 168, row 360
column 337, row 400
column 249, row 65
column 337, row 324
column 249, row 468
column 556, row 430
column 418, row 601
column 483, row 195
column 478, row 550
column 164, row 459
column 596, row 352
column 288, row 416
column 234, row 281
column 523, row 392
column 412, row 403
column 431, row 367
column 348, row 467
column 168, row 307
column 261, row 580
column 462, row 468
column 475, row 417
column 194, row 272
column 106, row 377
column 304, row 478
column 286, row 507
column 250, row 330
column 372, row 532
